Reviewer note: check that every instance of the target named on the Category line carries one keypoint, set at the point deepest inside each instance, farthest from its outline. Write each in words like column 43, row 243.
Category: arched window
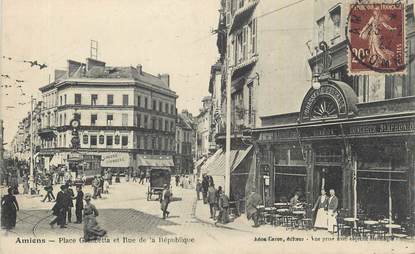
column 324, row 107
column 85, row 139
column 117, row 139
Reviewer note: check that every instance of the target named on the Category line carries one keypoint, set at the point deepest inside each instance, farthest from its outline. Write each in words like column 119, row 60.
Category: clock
column 75, row 123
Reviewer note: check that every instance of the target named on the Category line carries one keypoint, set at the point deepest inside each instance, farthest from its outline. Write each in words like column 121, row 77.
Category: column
column 411, row 183
column 309, row 189
column 270, row 151
column 347, row 188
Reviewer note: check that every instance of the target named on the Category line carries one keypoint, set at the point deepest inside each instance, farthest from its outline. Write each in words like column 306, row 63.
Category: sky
column 164, row 36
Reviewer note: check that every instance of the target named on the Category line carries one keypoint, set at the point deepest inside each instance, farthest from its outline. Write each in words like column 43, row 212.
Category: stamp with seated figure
column 375, row 35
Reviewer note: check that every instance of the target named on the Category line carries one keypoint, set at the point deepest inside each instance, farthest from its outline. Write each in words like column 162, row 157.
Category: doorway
column 330, row 177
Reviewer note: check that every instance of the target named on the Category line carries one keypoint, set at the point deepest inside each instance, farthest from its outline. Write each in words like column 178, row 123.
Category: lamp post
column 228, row 133
column 322, row 75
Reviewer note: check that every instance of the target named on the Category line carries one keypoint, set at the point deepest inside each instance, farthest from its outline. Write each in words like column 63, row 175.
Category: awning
column 155, row 161
column 217, row 167
column 210, row 160
column 241, row 15
column 115, row 160
column 199, row 162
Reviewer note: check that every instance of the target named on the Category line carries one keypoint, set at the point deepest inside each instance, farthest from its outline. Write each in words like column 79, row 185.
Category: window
column 161, row 106
column 78, row 99
column 117, row 139
column 94, row 99
column 145, row 121
column 109, row 140
column 241, row 3
column 60, row 120
column 166, row 108
column 172, row 126
column 139, row 101
column 110, row 99
column 110, row 118
column 124, row 140
column 124, row 119
column 153, row 143
column 64, row 99
column 166, row 144
column 93, row 140
column 138, row 122
column 64, row 119
column 60, row 100
column 335, row 18
column 160, row 124
column 64, row 139
column 166, row 125
column 153, row 123
column 160, row 143
column 125, row 99
column 94, row 118
column 154, row 105
column 320, row 30
column 238, row 47
column 172, row 109
column 101, row 139
column 146, row 103
column 145, row 142
column 85, row 139
column 244, row 43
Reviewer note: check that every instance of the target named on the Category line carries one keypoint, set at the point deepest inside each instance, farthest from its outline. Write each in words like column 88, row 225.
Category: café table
column 370, row 224
column 350, row 220
column 392, row 226
column 281, row 204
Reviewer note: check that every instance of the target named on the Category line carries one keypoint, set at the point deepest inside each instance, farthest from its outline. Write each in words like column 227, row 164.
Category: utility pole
column 31, row 139
column 228, row 133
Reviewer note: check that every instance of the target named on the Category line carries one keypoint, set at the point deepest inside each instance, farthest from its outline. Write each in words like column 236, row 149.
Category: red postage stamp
column 376, row 38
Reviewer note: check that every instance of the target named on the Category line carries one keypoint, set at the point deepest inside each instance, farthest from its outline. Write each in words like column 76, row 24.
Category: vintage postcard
column 207, row 126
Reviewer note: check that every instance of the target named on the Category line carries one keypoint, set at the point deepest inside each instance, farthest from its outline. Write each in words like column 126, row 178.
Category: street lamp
column 316, row 83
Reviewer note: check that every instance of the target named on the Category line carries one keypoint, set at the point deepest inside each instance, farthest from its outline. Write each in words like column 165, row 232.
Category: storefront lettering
column 326, row 90
column 390, row 127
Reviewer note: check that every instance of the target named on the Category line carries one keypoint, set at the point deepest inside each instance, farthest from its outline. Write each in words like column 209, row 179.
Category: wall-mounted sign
column 116, row 160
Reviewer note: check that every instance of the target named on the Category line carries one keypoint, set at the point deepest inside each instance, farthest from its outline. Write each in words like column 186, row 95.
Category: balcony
column 242, row 14
column 47, row 131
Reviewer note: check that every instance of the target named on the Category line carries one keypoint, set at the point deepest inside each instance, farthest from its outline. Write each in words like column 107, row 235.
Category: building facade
column 352, row 133
column 203, row 133
column 185, row 142
column 124, row 114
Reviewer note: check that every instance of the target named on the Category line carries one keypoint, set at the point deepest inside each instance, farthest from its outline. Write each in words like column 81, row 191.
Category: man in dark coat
column 252, row 202
column 165, row 200
column 79, row 204
column 60, row 208
column 205, row 186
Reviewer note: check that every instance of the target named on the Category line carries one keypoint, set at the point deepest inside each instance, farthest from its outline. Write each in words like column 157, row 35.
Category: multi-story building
column 203, row 132
column 127, row 116
column 353, row 134
column 184, row 143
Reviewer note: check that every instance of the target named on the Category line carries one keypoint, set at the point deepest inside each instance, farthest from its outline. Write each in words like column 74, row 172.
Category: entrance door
column 332, row 178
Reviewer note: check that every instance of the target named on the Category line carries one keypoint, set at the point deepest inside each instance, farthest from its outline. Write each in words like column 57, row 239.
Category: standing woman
column 9, row 208
column 91, row 229
column 25, row 180
column 321, row 207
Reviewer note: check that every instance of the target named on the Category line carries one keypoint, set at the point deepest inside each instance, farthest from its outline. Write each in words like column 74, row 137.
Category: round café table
column 392, row 226
column 299, row 212
column 370, row 222
column 281, row 204
column 283, row 210
column 350, row 220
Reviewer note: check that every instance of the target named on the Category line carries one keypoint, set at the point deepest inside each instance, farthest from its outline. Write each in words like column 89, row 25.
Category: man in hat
column 69, row 197
column 165, row 200
column 79, row 204
column 60, row 208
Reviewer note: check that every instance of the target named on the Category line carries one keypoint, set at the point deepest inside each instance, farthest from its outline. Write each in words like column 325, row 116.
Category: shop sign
column 116, row 160
column 403, row 126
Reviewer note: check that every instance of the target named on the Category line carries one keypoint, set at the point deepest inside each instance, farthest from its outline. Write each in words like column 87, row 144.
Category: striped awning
column 155, row 161
column 217, row 167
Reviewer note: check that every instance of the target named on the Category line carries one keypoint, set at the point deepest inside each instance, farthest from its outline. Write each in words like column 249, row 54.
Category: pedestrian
column 14, row 183
column 106, row 186
column 252, row 203
column 69, row 199
column 177, row 179
column 205, row 187
column 212, row 199
column 127, row 175
column 223, row 216
column 101, row 184
column 165, row 200
column 79, row 204
column 142, row 176
column 25, row 180
column 117, row 177
column 95, row 186
column 198, row 189
column 134, row 176
column 332, row 205
column 60, row 207
column 110, row 176
column 49, row 191
column 9, row 208
column 91, row 229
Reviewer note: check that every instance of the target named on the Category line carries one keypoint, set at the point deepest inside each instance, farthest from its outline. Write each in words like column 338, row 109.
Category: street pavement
column 125, row 212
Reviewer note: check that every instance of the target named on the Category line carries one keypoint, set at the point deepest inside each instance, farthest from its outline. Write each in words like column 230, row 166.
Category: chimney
column 90, row 63
column 165, row 78
column 139, row 69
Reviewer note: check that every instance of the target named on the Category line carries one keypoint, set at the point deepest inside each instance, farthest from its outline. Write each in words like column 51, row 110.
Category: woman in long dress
column 321, row 207
column 9, row 208
column 91, row 229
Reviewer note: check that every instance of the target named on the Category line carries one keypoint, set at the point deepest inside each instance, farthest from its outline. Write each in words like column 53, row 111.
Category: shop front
column 365, row 152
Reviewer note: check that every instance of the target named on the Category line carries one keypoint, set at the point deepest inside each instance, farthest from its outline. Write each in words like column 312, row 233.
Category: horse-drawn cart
column 158, row 178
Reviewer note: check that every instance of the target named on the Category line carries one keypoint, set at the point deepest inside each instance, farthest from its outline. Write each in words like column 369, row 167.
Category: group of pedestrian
column 64, row 203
